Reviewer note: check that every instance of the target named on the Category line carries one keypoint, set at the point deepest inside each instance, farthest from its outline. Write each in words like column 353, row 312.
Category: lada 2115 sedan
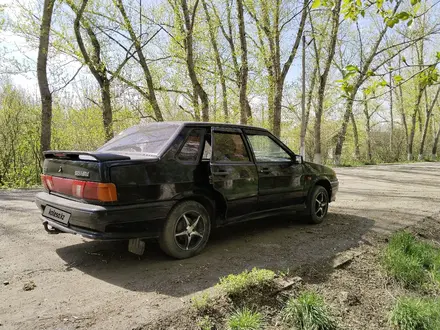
column 176, row 182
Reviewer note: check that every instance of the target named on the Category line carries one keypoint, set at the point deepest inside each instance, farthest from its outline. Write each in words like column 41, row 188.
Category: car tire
column 186, row 230
column 317, row 207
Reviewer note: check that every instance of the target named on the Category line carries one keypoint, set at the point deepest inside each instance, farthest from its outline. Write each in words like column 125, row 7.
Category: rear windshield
column 148, row 138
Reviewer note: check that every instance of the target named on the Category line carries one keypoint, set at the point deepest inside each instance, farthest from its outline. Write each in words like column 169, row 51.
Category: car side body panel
column 148, row 187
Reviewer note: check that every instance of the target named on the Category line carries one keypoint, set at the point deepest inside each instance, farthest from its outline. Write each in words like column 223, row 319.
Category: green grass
column 245, row 319
column 416, row 314
column 413, row 263
column 205, row 323
column 235, row 285
column 201, row 302
column 308, row 312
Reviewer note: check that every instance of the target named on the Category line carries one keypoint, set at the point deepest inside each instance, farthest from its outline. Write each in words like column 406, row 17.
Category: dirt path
column 97, row 285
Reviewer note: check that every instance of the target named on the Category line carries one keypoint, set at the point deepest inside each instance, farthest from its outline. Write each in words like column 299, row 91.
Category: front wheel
column 186, row 230
column 318, row 205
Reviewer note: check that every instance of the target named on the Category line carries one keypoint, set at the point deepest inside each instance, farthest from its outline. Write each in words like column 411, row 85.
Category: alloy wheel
column 189, row 230
column 321, row 205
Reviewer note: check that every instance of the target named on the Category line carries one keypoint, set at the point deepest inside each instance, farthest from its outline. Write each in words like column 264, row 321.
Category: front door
column 281, row 181
column 233, row 172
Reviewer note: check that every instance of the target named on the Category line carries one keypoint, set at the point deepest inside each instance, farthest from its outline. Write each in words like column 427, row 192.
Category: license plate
column 56, row 214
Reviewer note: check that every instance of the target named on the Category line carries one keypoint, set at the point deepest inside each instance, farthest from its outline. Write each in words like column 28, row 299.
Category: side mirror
column 299, row 159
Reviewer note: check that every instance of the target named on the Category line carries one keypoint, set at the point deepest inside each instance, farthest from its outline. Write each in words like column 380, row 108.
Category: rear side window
column 229, row 147
column 191, row 148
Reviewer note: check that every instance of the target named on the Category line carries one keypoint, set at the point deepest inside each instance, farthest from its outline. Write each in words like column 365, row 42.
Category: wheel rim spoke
column 186, row 220
column 196, row 233
column 189, row 230
column 321, row 205
column 183, row 233
column 189, row 241
column 194, row 225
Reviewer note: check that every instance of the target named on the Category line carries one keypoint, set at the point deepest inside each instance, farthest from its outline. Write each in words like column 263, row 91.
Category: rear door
column 233, row 172
column 281, row 181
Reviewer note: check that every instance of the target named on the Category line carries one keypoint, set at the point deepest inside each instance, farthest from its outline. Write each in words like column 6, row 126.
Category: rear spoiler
column 76, row 155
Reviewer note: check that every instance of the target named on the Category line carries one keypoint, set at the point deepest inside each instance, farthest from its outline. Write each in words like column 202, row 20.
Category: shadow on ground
column 274, row 243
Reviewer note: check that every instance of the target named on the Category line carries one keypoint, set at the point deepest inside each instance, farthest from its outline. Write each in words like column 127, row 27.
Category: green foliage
column 416, row 314
column 351, row 9
column 72, row 129
column 2, row 16
column 19, row 139
column 429, row 77
column 308, row 311
column 201, row 302
column 413, row 263
column 205, row 323
column 245, row 319
column 235, row 285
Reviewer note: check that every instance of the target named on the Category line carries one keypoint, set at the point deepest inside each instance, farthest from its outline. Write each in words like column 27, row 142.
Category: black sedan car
column 177, row 181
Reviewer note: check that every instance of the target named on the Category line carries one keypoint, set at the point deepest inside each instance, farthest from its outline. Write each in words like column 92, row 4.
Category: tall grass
column 416, row 314
column 239, row 284
column 308, row 312
column 413, row 263
column 245, row 319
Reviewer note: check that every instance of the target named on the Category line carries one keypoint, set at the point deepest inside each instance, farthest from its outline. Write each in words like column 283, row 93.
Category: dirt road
column 98, row 285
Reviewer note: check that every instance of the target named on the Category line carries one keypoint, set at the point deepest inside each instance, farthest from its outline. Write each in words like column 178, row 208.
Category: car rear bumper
column 106, row 222
column 335, row 188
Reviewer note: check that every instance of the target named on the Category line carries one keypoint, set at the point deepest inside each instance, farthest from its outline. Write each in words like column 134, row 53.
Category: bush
column 307, row 312
column 414, row 263
column 201, row 302
column 235, row 285
column 205, row 323
column 416, row 314
column 245, row 319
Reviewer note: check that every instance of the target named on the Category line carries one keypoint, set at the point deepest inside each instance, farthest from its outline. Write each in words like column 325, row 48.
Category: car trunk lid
column 80, row 175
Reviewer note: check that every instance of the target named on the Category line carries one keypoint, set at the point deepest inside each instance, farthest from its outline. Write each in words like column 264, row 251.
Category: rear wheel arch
column 212, row 201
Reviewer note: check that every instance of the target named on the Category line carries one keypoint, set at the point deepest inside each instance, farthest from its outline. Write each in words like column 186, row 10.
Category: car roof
column 210, row 124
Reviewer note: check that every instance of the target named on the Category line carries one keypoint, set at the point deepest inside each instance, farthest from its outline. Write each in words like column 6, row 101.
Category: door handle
column 265, row 170
column 224, row 173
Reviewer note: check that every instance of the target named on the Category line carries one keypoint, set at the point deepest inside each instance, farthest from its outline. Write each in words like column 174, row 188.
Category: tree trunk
column 435, row 144
column 360, row 80
column 107, row 113
column 368, row 129
column 323, row 80
column 391, row 113
column 309, row 99
column 188, row 42
column 45, row 93
column 343, row 130
column 302, row 141
column 96, row 66
column 357, row 151
column 269, row 24
column 213, row 39
column 151, row 95
column 244, row 70
column 413, row 124
column 426, row 126
column 399, row 96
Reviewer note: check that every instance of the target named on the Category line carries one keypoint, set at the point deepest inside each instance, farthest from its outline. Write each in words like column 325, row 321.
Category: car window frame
column 231, row 130
column 201, row 147
column 292, row 155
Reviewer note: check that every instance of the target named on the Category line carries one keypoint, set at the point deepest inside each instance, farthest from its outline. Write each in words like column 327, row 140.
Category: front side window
column 191, row 148
column 229, row 147
column 267, row 150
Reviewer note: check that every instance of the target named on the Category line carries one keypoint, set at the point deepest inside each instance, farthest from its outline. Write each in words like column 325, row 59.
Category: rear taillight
column 104, row 192
column 47, row 182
